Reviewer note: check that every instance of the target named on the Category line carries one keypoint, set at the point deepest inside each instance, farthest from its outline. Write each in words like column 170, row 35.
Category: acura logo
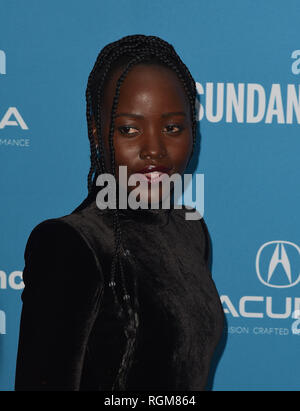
column 278, row 264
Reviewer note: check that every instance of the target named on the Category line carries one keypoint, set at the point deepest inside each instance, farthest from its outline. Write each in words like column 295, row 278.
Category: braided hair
column 125, row 53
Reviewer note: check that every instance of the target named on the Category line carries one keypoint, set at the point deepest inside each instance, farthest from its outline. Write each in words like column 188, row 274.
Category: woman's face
column 152, row 125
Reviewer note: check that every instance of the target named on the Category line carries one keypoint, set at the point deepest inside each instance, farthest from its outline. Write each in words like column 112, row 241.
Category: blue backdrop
column 245, row 58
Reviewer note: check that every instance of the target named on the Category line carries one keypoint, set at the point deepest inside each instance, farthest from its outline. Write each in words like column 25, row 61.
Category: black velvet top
column 70, row 336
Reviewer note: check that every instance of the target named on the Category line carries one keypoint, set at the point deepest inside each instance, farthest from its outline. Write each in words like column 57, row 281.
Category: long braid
column 133, row 320
column 126, row 52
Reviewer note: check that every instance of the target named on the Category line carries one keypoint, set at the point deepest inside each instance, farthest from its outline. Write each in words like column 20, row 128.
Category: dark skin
column 155, row 136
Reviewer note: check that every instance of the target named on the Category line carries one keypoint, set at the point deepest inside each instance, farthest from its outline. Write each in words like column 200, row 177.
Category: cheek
column 124, row 154
column 180, row 154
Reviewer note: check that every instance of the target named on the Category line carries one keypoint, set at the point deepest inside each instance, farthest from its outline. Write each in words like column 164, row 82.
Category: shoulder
column 72, row 231
column 56, row 247
column 52, row 233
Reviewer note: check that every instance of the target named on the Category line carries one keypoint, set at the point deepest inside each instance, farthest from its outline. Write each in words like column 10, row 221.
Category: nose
column 153, row 146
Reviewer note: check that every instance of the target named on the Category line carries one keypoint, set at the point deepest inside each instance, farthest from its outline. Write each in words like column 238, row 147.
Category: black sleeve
column 61, row 300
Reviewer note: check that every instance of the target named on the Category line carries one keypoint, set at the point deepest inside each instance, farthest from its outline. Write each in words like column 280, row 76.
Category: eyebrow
column 172, row 113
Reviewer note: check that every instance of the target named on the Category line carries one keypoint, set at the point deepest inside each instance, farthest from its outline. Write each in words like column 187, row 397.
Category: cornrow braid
column 133, row 320
column 125, row 53
column 98, row 153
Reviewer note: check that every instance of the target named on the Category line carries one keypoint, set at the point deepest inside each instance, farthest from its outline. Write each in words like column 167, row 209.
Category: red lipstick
column 154, row 173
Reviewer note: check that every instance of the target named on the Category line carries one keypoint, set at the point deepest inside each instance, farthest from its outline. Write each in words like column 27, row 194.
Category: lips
column 154, row 173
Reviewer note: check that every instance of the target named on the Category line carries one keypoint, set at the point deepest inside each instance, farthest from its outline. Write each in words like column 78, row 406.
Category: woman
column 123, row 299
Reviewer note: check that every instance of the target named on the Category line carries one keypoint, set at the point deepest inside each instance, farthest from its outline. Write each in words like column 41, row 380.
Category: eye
column 173, row 128
column 127, row 130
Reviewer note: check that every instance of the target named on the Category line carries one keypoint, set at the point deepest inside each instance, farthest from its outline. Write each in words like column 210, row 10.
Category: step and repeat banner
column 245, row 58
